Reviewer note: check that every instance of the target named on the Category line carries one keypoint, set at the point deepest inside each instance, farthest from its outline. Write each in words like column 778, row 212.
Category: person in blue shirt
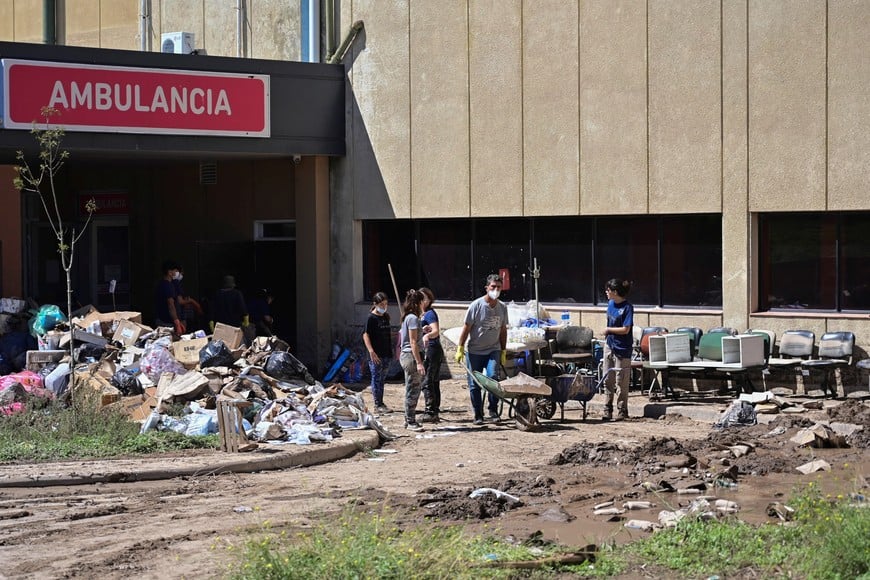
column 166, row 299
column 618, row 347
column 433, row 359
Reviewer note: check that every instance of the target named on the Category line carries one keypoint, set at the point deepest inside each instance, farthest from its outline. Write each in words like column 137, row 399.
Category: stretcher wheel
column 545, row 408
column 524, row 413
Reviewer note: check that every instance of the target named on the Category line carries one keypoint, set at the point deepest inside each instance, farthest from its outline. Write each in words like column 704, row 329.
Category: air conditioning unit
column 177, row 42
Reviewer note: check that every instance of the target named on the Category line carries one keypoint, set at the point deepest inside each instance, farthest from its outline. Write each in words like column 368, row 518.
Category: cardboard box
column 127, row 332
column 36, row 359
column 187, row 351
column 232, row 336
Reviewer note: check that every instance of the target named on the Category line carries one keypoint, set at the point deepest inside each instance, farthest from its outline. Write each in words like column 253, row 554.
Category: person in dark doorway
column 618, row 347
column 412, row 356
column 228, row 305
column 166, row 299
column 379, row 344
column 260, row 312
column 187, row 307
column 433, row 359
column 486, row 330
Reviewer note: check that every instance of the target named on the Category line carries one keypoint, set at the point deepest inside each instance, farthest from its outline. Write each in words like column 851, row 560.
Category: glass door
column 110, row 261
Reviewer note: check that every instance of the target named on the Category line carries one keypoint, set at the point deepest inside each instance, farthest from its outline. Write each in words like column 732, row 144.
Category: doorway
column 109, row 274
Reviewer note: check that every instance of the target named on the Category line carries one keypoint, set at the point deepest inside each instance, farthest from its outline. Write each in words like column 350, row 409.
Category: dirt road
column 184, row 527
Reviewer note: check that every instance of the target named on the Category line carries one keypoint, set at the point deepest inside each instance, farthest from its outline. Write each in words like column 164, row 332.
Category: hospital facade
column 716, row 153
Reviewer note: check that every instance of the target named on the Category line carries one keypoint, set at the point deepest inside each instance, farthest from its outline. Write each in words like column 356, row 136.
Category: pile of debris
column 168, row 382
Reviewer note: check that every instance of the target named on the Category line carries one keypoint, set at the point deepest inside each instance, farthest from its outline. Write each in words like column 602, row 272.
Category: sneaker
column 494, row 417
column 606, row 417
column 429, row 418
column 382, row 410
column 413, row 427
column 478, row 421
column 621, row 417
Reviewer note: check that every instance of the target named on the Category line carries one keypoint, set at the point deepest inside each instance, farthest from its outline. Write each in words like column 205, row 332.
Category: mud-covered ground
column 184, row 527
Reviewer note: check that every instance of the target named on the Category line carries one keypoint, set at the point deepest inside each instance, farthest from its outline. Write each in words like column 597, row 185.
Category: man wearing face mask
column 166, row 299
column 486, row 330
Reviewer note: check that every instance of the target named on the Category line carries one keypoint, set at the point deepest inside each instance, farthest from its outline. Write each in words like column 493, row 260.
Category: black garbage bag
column 125, row 381
column 283, row 365
column 216, row 354
column 89, row 353
column 739, row 414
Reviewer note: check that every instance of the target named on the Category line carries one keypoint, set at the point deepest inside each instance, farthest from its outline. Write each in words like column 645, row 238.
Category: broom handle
column 395, row 288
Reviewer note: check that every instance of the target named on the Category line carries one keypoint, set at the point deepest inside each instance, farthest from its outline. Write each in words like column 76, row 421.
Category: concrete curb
column 282, row 458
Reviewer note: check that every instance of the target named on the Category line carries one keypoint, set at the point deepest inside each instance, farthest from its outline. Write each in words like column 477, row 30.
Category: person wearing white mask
column 486, row 331
column 378, row 340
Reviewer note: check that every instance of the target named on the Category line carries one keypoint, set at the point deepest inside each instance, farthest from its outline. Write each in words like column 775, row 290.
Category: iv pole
column 536, row 274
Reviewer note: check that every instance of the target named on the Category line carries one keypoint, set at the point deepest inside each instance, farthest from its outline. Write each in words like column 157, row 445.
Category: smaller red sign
column 106, row 203
column 505, row 278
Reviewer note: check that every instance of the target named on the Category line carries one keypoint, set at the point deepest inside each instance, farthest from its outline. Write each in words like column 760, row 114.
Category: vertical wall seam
column 468, row 88
column 748, row 112
column 522, row 109
column 410, row 124
column 646, row 58
column 579, row 123
column 827, row 110
column 722, row 151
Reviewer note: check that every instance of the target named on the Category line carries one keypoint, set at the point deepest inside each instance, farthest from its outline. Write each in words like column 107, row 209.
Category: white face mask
column 178, row 276
column 494, row 294
column 380, row 310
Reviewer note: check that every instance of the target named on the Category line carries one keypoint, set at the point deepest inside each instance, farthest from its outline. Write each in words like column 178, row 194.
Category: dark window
column 445, row 258
column 692, row 261
column 389, row 244
column 502, row 244
column 563, row 247
column 673, row 260
column 628, row 249
column 816, row 262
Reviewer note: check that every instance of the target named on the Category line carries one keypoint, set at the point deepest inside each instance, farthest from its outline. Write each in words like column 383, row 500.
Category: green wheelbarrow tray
column 520, row 393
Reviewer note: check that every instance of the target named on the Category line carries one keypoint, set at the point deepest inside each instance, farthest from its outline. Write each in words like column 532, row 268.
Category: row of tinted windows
column 672, row 260
column 815, row 262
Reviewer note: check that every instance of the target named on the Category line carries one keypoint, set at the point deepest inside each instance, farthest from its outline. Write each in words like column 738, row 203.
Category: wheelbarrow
column 519, row 392
column 580, row 386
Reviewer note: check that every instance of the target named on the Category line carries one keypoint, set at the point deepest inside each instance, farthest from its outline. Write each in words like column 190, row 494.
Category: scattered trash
column 642, row 525
column 638, row 505
column 781, row 511
column 498, row 494
column 610, row 511
column 819, row 435
column 739, row 414
column 243, row 509
column 813, row 466
column 384, row 451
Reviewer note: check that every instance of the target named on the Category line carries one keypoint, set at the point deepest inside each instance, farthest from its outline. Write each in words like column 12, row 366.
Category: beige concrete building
column 715, row 152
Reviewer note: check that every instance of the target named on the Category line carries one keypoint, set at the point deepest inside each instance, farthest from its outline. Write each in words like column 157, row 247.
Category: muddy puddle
column 749, row 468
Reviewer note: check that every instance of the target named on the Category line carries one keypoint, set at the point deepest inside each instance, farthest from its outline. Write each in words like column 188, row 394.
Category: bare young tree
column 40, row 179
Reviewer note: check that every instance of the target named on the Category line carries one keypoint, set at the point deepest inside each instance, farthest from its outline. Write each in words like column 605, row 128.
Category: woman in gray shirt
column 411, row 356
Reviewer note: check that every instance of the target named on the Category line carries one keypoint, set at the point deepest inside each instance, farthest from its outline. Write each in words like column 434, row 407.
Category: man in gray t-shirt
column 486, row 330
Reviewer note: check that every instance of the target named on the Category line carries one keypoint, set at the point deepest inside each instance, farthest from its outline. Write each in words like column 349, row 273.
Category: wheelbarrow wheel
column 524, row 413
column 545, row 408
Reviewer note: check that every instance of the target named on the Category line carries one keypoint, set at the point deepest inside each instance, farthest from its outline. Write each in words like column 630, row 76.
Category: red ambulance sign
column 135, row 100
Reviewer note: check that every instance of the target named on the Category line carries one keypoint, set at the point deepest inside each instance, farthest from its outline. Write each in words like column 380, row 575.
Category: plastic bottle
column 566, row 318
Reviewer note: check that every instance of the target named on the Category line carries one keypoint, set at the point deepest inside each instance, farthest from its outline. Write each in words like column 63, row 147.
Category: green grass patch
column 53, row 431
column 358, row 545
column 827, row 539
